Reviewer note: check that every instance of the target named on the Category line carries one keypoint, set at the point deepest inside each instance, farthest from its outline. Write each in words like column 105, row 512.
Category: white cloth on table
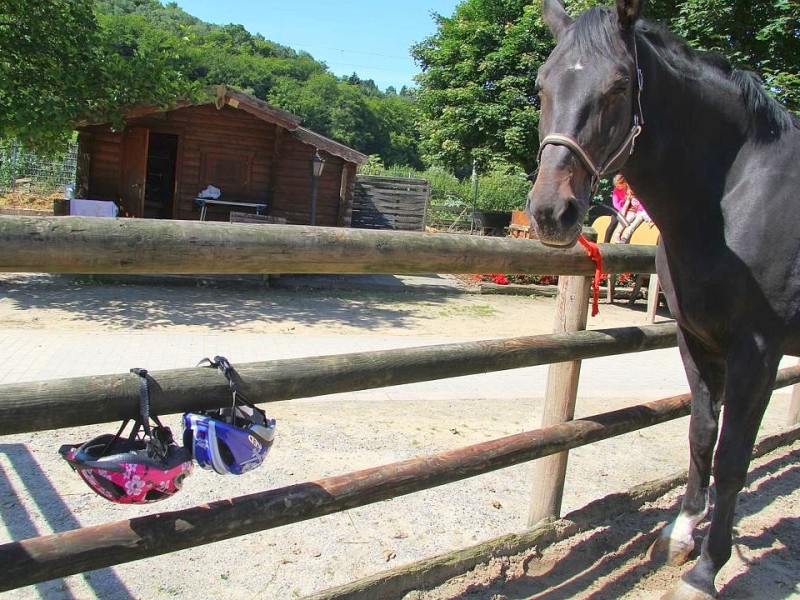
column 210, row 192
column 92, row 208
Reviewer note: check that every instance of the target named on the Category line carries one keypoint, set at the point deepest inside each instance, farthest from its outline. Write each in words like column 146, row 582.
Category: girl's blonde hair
column 618, row 179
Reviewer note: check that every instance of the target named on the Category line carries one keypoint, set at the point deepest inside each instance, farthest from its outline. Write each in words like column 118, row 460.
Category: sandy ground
column 40, row 495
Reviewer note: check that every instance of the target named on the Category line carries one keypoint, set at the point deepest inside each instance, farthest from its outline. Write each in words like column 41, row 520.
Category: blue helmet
column 229, row 440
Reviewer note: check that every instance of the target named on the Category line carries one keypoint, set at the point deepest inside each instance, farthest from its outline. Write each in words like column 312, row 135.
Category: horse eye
column 621, row 85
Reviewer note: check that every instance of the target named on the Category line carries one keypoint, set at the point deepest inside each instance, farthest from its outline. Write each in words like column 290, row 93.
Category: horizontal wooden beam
column 94, row 245
column 431, row 572
column 58, row 555
column 52, row 404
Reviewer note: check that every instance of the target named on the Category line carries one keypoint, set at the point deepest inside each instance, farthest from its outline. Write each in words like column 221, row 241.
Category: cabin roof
column 222, row 95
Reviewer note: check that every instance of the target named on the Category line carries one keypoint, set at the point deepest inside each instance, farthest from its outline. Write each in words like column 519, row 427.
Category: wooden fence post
column 572, row 305
column 794, row 406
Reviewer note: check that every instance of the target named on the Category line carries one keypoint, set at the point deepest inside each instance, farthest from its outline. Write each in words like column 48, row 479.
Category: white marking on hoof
column 676, row 541
column 666, row 550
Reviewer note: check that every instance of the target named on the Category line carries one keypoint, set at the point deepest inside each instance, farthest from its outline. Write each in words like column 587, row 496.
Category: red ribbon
column 594, row 254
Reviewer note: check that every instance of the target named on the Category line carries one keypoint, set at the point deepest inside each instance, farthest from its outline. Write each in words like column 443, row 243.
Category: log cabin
column 258, row 156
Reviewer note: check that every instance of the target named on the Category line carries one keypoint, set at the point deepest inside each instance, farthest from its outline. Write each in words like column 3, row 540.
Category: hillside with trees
column 83, row 59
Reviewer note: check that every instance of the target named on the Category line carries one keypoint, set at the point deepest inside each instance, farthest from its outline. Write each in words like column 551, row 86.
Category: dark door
column 134, row 170
column 159, row 191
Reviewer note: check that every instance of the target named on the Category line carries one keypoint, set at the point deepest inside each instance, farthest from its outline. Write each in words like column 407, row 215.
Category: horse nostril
column 569, row 215
column 539, row 214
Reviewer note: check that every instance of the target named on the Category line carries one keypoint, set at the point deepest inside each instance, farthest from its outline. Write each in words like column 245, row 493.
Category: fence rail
column 89, row 245
column 34, row 406
column 84, row 245
column 61, row 554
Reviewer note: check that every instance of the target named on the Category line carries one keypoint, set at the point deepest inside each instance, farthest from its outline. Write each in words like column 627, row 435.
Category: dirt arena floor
column 323, row 436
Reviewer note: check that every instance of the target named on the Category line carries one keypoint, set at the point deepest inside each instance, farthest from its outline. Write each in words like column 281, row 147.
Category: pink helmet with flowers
column 147, row 466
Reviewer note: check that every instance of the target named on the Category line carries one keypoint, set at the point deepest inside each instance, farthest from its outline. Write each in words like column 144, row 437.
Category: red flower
column 547, row 280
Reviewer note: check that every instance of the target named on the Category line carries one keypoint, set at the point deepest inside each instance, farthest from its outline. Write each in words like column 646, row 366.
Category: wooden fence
column 393, row 203
column 84, row 245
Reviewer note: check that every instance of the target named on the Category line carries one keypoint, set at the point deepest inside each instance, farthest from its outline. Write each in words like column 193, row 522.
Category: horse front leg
column 705, row 375
column 751, row 374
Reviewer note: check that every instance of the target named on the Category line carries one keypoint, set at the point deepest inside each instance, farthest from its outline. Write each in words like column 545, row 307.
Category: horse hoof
column 684, row 591
column 667, row 551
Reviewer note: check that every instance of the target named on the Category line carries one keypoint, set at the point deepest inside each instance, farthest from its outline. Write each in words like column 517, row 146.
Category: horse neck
column 692, row 132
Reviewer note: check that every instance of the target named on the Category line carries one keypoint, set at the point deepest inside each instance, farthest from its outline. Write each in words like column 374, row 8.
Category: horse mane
column 596, row 32
column 769, row 116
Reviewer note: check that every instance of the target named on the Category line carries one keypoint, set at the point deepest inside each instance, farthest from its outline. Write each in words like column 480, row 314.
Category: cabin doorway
column 159, row 189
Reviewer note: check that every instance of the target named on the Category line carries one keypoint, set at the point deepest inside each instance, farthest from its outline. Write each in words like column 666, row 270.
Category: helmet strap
column 159, row 438
column 229, row 372
column 117, row 435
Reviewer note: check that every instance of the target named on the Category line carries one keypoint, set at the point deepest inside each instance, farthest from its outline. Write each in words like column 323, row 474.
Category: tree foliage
column 61, row 63
column 758, row 35
column 476, row 95
column 477, row 86
column 33, row 49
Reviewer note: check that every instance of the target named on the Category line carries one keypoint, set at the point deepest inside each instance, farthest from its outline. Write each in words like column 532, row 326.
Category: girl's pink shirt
column 618, row 198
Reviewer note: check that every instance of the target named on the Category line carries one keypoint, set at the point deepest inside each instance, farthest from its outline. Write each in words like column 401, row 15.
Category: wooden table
column 204, row 202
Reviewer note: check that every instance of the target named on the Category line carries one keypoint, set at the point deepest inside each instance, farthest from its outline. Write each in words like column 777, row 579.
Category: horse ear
column 555, row 17
column 628, row 12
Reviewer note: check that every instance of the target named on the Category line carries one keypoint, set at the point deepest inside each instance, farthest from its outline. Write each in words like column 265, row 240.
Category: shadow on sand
column 610, row 561
column 219, row 303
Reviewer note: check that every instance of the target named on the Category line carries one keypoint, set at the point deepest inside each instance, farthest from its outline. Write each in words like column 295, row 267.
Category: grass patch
column 473, row 311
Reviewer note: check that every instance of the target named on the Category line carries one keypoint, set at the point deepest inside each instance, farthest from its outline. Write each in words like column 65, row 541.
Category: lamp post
column 474, row 193
column 317, row 164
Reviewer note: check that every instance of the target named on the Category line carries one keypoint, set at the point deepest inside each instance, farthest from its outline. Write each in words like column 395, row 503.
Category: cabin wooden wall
column 249, row 159
column 293, row 185
column 225, row 148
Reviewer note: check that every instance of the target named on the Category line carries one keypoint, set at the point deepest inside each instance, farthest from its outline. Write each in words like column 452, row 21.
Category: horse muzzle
column 555, row 213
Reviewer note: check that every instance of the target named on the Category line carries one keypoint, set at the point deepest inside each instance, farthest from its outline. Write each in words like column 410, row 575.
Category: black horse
column 716, row 162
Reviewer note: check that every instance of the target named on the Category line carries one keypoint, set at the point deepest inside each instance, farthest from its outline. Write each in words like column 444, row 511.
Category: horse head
column 590, row 113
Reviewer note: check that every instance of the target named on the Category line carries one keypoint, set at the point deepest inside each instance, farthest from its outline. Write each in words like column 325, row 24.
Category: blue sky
column 369, row 37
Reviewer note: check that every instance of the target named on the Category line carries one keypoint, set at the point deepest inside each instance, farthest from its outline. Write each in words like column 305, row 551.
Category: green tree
column 353, row 112
column 396, row 138
column 60, row 65
column 476, row 95
column 140, row 64
column 66, row 61
column 758, row 35
column 477, row 84
column 45, row 49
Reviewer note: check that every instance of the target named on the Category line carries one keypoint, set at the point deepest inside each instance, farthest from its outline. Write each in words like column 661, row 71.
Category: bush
column 504, row 189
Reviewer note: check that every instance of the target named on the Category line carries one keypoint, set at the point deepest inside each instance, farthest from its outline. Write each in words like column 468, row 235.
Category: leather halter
column 625, row 149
